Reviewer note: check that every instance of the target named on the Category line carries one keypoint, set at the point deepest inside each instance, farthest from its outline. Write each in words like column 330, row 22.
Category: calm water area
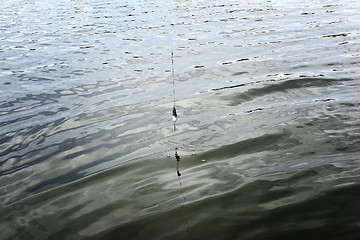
column 267, row 144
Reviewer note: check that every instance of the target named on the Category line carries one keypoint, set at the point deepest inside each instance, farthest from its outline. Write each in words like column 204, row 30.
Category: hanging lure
column 174, row 114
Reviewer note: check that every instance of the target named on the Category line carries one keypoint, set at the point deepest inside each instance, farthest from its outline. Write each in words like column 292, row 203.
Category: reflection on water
column 181, row 208
column 177, row 157
column 266, row 91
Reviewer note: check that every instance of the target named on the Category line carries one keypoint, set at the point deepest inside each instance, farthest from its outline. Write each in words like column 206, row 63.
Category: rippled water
column 268, row 132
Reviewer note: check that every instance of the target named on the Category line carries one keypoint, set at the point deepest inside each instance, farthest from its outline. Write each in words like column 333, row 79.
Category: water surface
column 268, row 132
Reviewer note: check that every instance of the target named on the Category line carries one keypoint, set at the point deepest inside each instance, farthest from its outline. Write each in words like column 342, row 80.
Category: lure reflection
column 177, row 157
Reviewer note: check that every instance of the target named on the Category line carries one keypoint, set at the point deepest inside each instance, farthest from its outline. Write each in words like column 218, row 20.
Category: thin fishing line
column 172, row 24
column 173, row 74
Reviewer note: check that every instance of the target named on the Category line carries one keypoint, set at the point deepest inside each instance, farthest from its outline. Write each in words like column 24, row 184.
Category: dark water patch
column 307, row 13
column 32, row 102
column 258, row 144
column 33, row 137
column 48, row 113
column 324, row 100
column 239, row 73
column 336, row 35
column 72, row 176
column 256, row 109
column 25, row 77
column 243, row 59
column 199, row 66
column 284, row 87
column 335, row 206
column 263, row 208
column 228, row 87
column 51, row 145
column 6, row 105
column 57, row 180
column 343, row 43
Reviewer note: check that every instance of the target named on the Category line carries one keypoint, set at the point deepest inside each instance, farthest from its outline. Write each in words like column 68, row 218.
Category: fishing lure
column 174, row 114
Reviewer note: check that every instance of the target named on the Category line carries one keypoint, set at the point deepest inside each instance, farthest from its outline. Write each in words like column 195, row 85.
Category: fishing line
column 177, row 156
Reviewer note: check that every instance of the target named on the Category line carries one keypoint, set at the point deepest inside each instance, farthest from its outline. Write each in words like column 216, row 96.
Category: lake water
column 268, row 135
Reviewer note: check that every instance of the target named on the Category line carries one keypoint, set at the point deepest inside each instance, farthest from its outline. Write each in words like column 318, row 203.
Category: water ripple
column 268, row 130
